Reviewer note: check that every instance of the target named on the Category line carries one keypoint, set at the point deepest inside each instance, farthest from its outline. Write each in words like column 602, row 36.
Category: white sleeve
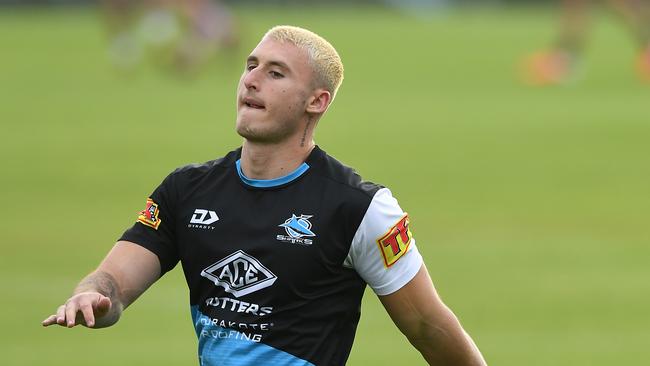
column 383, row 250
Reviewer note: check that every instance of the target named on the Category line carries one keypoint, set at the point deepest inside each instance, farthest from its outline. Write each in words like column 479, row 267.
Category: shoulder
column 346, row 178
column 194, row 171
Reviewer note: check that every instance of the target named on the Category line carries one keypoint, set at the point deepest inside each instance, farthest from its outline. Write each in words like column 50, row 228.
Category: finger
column 49, row 320
column 103, row 305
column 88, row 316
column 71, row 313
column 60, row 315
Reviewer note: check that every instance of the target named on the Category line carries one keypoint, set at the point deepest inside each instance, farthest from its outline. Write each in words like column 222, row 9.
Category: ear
column 319, row 101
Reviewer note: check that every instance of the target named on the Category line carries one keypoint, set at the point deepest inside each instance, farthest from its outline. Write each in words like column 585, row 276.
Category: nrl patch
column 149, row 216
column 395, row 242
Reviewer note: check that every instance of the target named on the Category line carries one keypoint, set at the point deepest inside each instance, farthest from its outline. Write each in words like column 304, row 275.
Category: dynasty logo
column 298, row 229
column 239, row 274
column 202, row 219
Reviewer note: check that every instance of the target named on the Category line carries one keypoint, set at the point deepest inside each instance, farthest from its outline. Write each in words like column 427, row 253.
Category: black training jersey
column 277, row 268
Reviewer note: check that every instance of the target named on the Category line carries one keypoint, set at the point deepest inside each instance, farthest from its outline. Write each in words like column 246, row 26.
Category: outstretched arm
column 430, row 325
column 99, row 299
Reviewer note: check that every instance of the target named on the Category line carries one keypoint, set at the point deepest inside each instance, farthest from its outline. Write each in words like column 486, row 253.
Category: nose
column 251, row 80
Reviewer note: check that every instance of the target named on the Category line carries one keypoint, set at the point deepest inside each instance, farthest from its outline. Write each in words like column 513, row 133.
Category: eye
column 276, row 75
column 250, row 67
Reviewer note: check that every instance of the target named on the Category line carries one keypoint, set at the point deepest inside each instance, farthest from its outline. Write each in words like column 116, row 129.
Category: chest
column 244, row 241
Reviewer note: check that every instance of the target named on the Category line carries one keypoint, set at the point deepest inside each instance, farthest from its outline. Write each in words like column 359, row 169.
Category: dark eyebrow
column 280, row 64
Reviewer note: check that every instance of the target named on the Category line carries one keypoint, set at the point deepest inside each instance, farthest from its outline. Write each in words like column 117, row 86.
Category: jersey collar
column 268, row 183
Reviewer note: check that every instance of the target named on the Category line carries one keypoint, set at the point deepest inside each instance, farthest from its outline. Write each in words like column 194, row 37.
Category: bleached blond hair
column 326, row 62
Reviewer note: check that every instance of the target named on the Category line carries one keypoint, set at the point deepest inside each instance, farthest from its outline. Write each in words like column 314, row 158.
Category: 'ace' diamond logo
column 239, row 274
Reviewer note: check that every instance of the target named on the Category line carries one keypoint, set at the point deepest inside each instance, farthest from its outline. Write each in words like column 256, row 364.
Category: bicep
column 416, row 306
column 133, row 267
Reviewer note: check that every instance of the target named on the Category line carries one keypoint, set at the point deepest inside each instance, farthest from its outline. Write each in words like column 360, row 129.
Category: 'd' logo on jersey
column 149, row 216
column 239, row 274
column 395, row 242
column 297, row 229
column 202, row 219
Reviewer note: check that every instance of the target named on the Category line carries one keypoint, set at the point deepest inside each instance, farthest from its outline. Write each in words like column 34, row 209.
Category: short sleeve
column 383, row 249
column 154, row 228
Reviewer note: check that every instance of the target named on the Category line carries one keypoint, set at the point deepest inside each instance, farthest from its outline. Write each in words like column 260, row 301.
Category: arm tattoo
column 106, row 285
column 101, row 282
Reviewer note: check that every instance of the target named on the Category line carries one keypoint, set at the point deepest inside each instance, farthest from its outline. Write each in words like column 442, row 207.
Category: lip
column 252, row 103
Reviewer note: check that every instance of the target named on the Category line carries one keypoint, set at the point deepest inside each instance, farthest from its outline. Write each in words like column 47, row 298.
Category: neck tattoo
column 304, row 133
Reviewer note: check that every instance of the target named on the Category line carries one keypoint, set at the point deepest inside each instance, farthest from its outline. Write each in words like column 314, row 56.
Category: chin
column 252, row 134
column 244, row 129
column 263, row 136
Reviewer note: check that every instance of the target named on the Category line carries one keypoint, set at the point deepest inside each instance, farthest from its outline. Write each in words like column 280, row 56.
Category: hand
column 83, row 308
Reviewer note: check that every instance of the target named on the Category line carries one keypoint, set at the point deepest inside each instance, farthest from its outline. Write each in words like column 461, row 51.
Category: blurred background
column 515, row 133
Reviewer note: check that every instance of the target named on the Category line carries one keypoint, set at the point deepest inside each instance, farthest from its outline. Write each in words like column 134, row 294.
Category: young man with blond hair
column 277, row 239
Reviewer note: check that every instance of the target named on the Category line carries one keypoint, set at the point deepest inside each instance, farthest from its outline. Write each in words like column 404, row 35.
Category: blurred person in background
column 183, row 36
column 210, row 27
column 559, row 64
column 277, row 239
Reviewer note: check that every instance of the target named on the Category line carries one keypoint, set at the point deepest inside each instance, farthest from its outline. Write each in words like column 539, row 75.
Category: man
column 277, row 239
column 560, row 63
column 184, row 35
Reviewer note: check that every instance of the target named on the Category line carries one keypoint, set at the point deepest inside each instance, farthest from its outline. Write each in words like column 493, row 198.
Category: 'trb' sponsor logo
column 395, row 242
column 239, row 274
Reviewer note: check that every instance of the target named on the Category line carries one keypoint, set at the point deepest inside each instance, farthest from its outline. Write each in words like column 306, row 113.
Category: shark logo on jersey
column 297, row 228
column 239, row 274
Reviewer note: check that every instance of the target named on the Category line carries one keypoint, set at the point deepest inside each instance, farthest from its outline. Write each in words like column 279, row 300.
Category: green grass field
column 531, row 206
